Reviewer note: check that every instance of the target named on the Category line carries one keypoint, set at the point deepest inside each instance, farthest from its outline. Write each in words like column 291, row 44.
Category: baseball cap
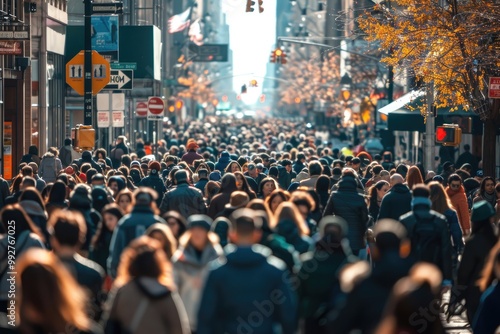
column 479, row 173
column 251, row 166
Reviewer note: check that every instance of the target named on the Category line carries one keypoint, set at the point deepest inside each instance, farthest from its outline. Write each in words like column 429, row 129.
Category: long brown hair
column 144, row 257
column 439, row 198
column 288, row 210
column 258, row 204
column 23, row 222
column 47, row 287
column 170, row 244
column 414, row 177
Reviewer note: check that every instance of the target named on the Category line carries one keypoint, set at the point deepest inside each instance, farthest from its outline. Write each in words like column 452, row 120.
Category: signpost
column 124, row 66
column 99, row 75
column 208, row 52
column 120, row 79
column 494, row 88
column 156, row 107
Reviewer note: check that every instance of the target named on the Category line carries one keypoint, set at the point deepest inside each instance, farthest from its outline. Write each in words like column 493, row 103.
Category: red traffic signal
column 261, row 9
column 448, row 135
column 273, row 57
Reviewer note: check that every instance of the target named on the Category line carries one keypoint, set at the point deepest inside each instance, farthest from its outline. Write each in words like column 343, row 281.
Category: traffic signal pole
column 430, row 134
column 87, row 83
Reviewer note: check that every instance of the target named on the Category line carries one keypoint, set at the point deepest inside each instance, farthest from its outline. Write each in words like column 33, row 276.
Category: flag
column 195, row 34
column 179, row 22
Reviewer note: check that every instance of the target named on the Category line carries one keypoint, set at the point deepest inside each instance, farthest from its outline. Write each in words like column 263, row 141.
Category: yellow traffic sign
column 75, row 76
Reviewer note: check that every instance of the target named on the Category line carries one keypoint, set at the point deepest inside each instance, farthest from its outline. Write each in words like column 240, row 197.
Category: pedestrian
column 242, row 185
column 176, row 222
column 197, row 247
column 184, row 198
column 31, row 156
column 429, row 233
column 227, row 308
column 119, row 151
column 375, row 195
column 133, row 225
column 266, row 187
column 49, row 298
column 164, row 235
column 458, row 198
column 144, row 297
column 80, row 200
column 292, row 226
column 154, row 181
column 414, row 177
column 125, row 200
column 65, row 153
column 477, row 247
column 218, row 202
column 50, row 166
column 191, row 155
column 487, row 191
column 32, row 203
column 397, row 201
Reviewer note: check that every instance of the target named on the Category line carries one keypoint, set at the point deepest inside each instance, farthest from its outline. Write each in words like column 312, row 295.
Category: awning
column 404, row 114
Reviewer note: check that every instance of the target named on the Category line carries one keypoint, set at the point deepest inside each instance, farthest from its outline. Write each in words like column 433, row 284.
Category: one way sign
column 120, row 79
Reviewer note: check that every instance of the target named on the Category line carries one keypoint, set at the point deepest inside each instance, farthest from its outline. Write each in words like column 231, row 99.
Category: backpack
column 425, row 238
column 116, row 155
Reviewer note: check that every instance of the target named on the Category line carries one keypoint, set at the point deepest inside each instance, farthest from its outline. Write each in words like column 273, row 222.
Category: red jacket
column 459, row 201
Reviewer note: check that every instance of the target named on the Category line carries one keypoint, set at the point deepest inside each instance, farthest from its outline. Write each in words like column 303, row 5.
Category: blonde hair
column 46, row 286
column 288, row 210
column 144, row 257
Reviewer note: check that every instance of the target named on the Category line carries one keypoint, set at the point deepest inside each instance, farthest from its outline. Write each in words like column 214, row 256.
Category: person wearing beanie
column 224, row 160
column 477, row 248
column 197, row 248
column 133, row 225
column 154, row 181
column 429, row 233
column 215, row 176
column 184, row 198
column 191, row 155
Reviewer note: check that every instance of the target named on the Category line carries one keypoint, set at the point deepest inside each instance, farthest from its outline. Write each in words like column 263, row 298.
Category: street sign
column 118, row 119
column 141, row 109
column 75, row 72
column 120, row 79
column 107, row 8
column 156, row 107
column 15, row 35
column 103, row 119
column 494, row 88
column 124, row 66
column 208, row 52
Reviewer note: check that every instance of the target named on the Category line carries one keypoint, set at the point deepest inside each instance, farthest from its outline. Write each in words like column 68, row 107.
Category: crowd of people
column 245, row 228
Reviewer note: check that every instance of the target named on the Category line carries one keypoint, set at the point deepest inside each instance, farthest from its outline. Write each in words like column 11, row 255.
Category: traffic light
column 170, row 105
column 253, row 83
column 448, row 135
column 179, row 104
column 283, row 58
column 273, row 56
column 261, row 9
column 243, row 89
column 250, row 5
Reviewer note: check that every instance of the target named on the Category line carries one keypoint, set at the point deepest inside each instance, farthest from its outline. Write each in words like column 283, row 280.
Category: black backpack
column 425, row 238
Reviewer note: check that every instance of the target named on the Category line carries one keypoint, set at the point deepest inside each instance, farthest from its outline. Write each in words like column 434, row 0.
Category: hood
column 400, row 188
column 32, row 208
column 86, row 156
column 228, row 183
column 347, row 183
column 48, row 155
column 151, row 287
column 253, row 256
column 225, row 154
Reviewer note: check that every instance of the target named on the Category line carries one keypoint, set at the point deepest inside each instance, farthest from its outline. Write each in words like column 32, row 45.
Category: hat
column 238, row 200
column 251, row 166
column 69, row 170
column 135, row 163
column 377, row 157
column 202, row 221
column 260, row 166
column 337, row 173
column 202, row 171
column 181, row 176
column 447, row 165
column 356, row 160
column 466, row 165
column 332, row 220
column 192, row 145
column 215, row 176
column 155, row 167
column 479, row 173
column 482, row 210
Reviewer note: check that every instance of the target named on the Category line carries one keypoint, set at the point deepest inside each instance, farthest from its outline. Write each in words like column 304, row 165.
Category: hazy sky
column 252, row 36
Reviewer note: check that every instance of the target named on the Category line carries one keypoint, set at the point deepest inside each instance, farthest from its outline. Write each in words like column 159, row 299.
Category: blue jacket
column 486, row 320
column 248, row 292
column 395, row 203
column 129, row 227
column 224, row 160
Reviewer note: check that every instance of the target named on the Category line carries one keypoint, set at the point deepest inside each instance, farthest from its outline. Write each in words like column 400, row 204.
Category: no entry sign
column 156, row 108
column 141, row 109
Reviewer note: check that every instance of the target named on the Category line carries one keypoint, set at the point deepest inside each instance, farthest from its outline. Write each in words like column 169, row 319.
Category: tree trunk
column 489, row 140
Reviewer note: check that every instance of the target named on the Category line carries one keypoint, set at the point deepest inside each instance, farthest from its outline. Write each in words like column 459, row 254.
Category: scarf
column 492, row 199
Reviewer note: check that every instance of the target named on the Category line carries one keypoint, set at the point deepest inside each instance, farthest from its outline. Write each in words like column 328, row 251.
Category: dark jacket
column 395, row 203
column 348, row 204
column 184, row 199
column 129, row 227
column 476, row 251
column 116, row 154
column 226, row 307
column 224, row 160
column 200, row 185
column 219, row 201
column 422, row 214
column 87, row 158
column 487, row 320
column 288, row 230
column 154, row 182
column 298, row 166
column 191, row 156
column 65, row 155
column 470, row 158
column 364, row 305
column 282, row 250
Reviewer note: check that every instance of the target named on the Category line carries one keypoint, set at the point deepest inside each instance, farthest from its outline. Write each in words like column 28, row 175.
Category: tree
column 198, row 86
column 451, row 44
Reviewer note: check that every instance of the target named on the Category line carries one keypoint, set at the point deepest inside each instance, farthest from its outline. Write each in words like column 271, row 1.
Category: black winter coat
column 395, row 203
column 348, row 204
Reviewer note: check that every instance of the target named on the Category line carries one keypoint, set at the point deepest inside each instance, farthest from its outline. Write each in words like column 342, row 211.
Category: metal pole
column 87, row 98
column 110, row 102
column 429, row 146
